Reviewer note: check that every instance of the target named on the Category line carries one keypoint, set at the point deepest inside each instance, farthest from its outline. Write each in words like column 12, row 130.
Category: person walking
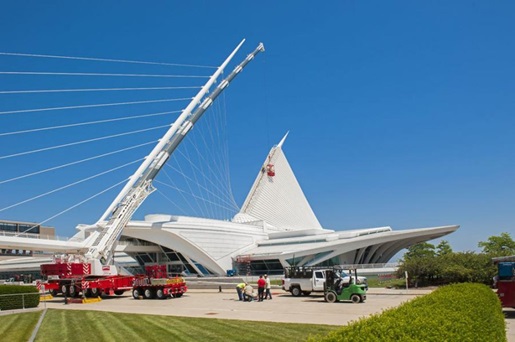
column 261, row 283
column 268, row 287
column 239, row 289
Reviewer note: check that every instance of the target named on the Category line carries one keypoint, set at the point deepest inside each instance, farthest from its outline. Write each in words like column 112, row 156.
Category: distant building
column 17, row 228
column 15, row 255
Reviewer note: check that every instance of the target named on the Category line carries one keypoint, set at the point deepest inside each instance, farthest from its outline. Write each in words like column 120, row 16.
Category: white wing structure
column 278, row 200
column 275, row 227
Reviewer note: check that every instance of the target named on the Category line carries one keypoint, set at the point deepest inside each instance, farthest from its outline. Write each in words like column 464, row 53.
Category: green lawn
column 18, row 327
column 67, row 325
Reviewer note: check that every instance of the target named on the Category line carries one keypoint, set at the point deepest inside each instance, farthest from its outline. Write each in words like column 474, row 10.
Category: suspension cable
column 76, row 162
column 104, row 60
column 90, row 90
column 89, row 123
column 76, row 205
column 81, row 142
column 39, row 73
column 91, row 106
column 70, row 185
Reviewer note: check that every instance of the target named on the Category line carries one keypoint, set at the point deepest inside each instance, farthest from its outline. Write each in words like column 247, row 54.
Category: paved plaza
column 282, row 308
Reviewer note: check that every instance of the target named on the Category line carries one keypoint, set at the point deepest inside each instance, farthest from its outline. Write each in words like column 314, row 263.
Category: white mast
column 102, row 243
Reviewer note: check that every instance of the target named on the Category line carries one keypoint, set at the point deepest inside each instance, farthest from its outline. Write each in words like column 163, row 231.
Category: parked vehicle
column 156, row 284
column 505, row 280
column 304, row 280
column 338, row 289
column 73, row 279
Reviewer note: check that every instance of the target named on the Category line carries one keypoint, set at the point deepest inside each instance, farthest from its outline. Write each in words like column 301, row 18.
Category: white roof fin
column 282, row 140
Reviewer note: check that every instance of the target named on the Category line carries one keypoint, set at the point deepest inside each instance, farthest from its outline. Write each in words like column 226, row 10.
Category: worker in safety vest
column 239, row 289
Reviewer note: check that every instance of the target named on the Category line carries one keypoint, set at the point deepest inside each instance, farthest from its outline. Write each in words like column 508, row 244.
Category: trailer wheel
column 149, row 294
column 160, row 294
column 296, row 292
column 65, row 290
column 53, row 293
column 73, row 291
column 136, row 294
column 331, row 297
column 355, row 298
column 178, row 295
column 119, row 292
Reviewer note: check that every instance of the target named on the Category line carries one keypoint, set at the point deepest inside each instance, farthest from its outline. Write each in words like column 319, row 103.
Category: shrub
column 30, row 299
column 459, row 312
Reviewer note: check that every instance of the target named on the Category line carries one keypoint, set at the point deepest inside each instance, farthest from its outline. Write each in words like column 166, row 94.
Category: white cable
column 181, row 193
column 169, row 200
column 75, row 162
column 203, row 187
column 198, row 197
column 104, row 60
column 89, row 123
column 89, row 89
column 69, row 185
column 78, row 204
column 190, row 189
column 81, row 142
column 91, row 106
column 96, row 74
column 194, row 167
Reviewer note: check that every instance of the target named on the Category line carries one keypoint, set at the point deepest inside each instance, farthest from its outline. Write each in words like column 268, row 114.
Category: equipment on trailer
column 504, row 281
column 156, row 284
column 92, row 270
column 337, row 289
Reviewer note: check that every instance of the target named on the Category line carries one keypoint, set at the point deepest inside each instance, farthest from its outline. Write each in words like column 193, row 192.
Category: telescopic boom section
column 139, row 186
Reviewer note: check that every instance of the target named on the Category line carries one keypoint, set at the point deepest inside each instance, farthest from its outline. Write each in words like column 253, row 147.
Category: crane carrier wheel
column 149, row 293
column 136, row 293
column 160, row 294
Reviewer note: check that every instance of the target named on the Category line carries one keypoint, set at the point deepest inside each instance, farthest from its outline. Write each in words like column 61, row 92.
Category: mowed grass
column 18, row 327
column 68, row 325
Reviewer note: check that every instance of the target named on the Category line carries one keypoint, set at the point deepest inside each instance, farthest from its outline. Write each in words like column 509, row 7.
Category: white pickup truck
column 304, row 280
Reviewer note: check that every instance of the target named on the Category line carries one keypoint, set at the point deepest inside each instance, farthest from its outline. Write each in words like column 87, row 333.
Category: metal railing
column 38, row 236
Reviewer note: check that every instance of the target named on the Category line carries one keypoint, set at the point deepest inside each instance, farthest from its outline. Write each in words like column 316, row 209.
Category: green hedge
column 459, row 312
column 18, row 301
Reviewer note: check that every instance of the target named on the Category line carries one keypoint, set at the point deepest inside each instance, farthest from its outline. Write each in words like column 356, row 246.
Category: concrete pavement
column 282, row 308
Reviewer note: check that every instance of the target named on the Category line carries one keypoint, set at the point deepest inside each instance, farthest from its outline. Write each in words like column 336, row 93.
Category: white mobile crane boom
column 109, row 227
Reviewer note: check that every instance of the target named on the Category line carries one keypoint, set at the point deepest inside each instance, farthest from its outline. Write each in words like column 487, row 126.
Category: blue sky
column 400, row 113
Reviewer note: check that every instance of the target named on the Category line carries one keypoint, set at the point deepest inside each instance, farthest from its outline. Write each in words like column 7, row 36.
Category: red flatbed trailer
column 157, row 284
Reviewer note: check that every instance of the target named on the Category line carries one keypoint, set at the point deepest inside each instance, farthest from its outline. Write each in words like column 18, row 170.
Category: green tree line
column 429, row 265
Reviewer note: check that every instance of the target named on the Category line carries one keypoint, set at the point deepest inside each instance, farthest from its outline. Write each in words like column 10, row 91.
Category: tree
column 418, row 261
column 443, row 248
column 495, row 246
column 427, row 265
column 420, row 250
